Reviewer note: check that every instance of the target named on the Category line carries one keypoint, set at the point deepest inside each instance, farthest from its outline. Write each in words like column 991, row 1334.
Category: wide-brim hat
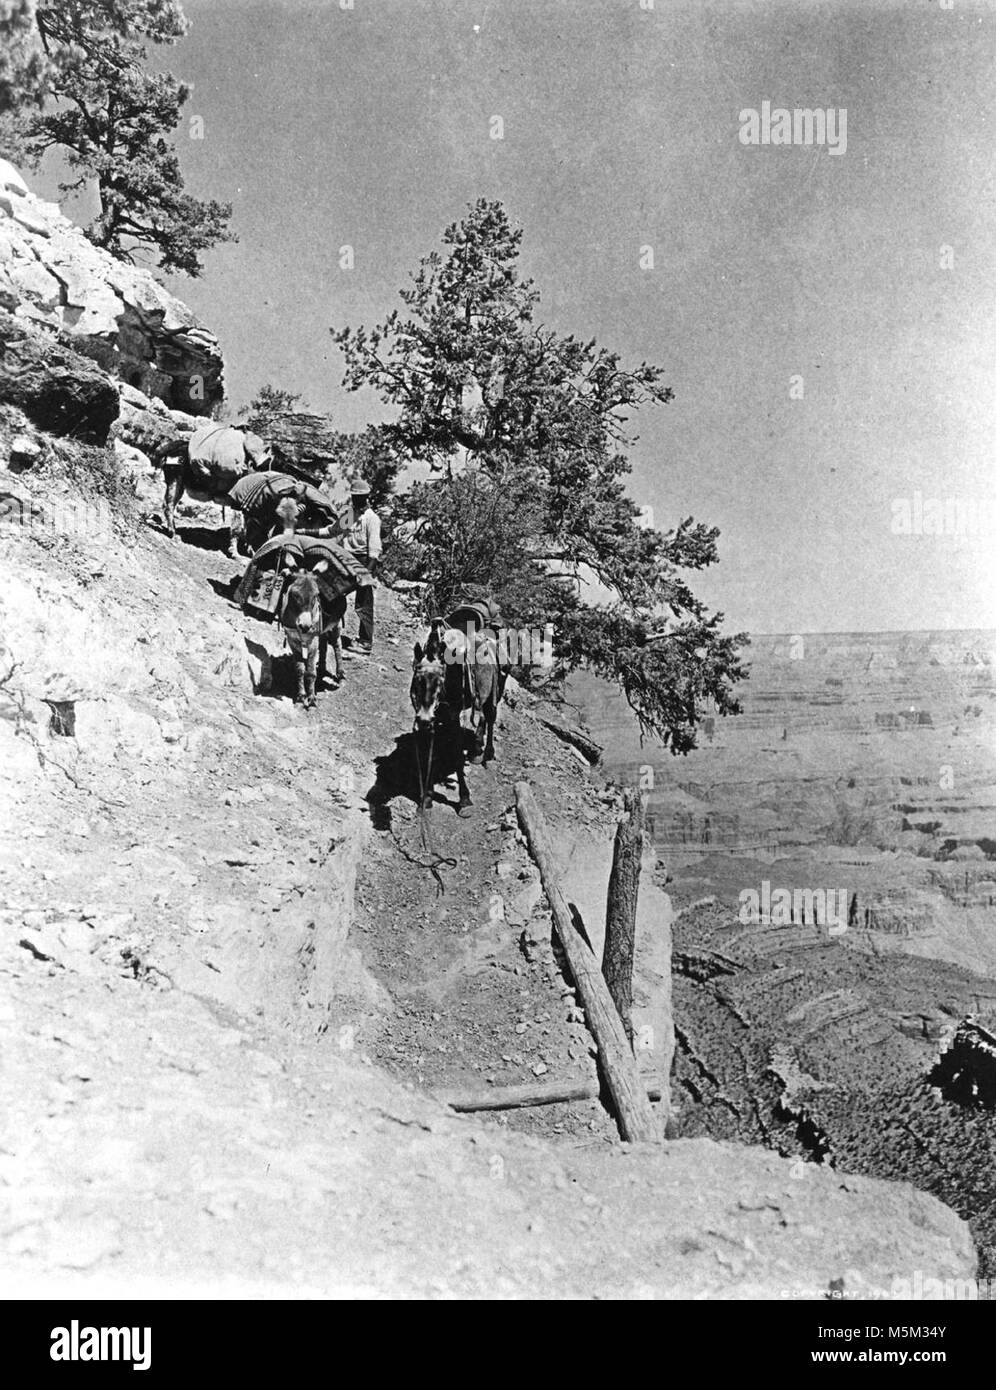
column 359, row 488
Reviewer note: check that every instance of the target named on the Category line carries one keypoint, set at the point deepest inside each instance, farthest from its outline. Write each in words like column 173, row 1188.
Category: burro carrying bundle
column 221, row 454
column 337, row 571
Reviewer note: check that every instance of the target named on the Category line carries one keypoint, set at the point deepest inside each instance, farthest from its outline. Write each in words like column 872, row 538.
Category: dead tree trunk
column 637, row 1120
column 620, row 907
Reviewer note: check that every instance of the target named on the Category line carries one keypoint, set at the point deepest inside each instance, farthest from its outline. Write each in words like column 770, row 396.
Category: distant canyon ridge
column 863, row 761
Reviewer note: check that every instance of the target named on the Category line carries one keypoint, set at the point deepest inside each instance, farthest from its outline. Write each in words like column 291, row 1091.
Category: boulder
column 11, row 181
column 145, row 422
column 57, row 389
column 136, row 468
column 120, row 314
column 301, row 442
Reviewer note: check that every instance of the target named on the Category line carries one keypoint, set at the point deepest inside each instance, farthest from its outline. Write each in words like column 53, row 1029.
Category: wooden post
column 515, row 1097
column 620, row 907
column 637, row 1121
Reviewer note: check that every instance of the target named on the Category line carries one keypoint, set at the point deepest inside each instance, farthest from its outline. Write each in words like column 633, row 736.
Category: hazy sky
column 372, row 126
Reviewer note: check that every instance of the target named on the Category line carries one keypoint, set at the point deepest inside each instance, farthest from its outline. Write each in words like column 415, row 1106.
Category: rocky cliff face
column 789, row 1038
column 116, row 313
column 304, row 442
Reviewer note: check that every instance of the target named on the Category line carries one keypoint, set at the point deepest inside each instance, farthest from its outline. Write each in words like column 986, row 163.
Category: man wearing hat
column 362, row 537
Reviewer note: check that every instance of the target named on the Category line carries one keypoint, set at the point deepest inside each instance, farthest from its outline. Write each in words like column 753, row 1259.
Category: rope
column 424, row 831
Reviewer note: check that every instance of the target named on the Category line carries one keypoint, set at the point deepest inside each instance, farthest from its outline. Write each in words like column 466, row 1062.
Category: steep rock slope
column 787, row 1037
column 190, row 1101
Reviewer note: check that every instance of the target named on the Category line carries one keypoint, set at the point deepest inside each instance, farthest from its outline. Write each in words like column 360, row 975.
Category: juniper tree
column 22, row 62
column 268, row 402
column 478, row 384
column 111, row 119
column 372, row 454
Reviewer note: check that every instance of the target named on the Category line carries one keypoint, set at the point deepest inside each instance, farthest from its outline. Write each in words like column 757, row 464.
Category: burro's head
column 427, row 687
column 428, row 675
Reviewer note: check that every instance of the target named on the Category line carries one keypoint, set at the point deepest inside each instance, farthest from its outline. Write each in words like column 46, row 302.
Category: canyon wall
column 865, row 762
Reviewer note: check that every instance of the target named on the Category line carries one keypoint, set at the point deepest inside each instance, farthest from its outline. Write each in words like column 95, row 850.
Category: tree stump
column 620, row 907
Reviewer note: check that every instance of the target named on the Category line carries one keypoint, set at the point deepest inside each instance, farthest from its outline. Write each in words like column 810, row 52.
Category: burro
column 503, row 646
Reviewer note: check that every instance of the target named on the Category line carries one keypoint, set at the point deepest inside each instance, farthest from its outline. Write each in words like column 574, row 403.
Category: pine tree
column 22, row 62
column 268, row 401
column 480, row 387
column 111, row 119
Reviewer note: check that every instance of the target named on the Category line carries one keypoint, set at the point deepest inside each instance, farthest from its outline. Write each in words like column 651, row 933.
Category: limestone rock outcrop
column 305, row 443
column 118, row 314
column 59, row 390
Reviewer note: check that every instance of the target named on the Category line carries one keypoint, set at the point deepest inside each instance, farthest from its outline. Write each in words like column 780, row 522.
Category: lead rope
column 424, row 830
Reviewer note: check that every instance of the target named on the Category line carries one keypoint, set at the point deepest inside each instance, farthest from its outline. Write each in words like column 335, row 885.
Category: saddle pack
column 220, row 455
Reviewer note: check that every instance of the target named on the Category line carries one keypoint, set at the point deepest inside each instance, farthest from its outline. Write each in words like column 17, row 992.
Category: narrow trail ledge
column 222, row 986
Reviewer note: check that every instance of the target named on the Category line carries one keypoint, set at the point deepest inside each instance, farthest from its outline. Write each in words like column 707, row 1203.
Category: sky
column 826, row 321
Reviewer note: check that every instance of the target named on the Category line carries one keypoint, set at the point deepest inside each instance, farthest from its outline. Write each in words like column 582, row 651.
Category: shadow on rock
column 225, row 588
column 204, row 537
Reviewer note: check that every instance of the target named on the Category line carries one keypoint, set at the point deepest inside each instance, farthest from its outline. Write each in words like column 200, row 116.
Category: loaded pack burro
column 303, row 580
column 206, row 465
column 229, row 465
column 297, row 573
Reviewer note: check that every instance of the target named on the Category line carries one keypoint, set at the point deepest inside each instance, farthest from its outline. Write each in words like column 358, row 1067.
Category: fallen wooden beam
column 585, row 745
column 637, row 1121
column 515, row 1097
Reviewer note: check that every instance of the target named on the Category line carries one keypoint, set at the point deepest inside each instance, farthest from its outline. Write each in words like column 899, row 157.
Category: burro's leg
column 310, row 673
column 463, row 808
column 172, row 494
column 300, row 655
column 235, row 531
column 489, row 720
column 423, row 748
column 334, row 639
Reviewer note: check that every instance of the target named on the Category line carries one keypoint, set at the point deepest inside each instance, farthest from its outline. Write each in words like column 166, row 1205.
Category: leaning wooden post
column 637, row 1120
column 620, row 907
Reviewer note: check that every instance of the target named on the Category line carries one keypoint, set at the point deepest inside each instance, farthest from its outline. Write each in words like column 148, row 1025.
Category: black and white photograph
column 498, row 663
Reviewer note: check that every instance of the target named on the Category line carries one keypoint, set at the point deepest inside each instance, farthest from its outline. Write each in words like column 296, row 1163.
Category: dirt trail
column 479, row 996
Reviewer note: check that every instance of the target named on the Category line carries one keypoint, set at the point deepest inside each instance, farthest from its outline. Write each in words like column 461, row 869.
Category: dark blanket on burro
column 341, row 574
column 262, row 491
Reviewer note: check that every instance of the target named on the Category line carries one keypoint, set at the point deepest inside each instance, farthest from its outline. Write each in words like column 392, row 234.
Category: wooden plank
column 637, row 1121
column 620, row 907
column 515, row 1097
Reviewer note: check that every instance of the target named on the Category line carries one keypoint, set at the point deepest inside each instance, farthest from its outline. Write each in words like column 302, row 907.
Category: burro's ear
column 418, row 652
